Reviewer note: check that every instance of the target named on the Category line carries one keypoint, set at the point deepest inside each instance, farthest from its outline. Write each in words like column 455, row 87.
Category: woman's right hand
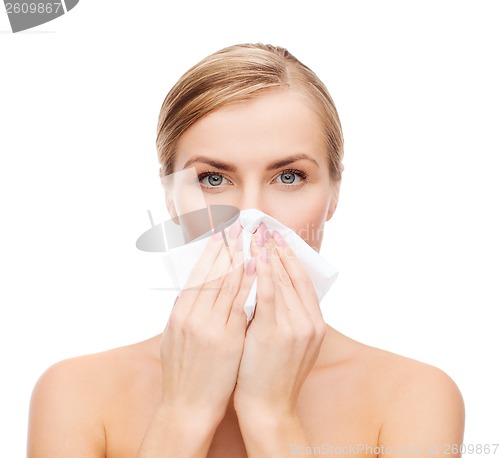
column 202, row 344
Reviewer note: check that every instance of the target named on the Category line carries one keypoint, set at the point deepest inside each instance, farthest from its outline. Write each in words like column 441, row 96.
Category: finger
column 200, row 274
column 290, row 309
column 210, row 289
column 189, row 293
column 265, row 311
column 203, row 266
column 298, row 275
column 231, row 282
column 286, row 296
column 222, row 268
column 237, row 319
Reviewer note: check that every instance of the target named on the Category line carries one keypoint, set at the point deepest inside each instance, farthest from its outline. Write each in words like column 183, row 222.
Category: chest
column 338, row 418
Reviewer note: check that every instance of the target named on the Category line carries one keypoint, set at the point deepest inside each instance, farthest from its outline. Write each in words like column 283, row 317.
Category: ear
column 334, row 199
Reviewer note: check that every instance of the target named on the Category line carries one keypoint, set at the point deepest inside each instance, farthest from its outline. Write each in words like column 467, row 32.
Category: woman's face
column 267, row 154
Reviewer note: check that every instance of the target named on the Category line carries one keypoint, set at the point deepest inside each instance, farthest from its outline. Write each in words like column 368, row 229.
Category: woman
column 261, row 131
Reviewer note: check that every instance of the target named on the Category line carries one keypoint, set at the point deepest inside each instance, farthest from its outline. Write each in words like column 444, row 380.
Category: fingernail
column 217, row 235
column 259, row 234
column 267, row 235
column 263, row 254
column 239, row 243
column 280, row 241
column 235, row 230
column 251, row 267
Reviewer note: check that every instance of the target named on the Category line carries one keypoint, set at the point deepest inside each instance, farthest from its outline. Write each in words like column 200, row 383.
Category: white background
column 415, row 235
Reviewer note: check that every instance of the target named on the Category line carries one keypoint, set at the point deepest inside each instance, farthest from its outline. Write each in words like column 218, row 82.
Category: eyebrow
column 231, row 168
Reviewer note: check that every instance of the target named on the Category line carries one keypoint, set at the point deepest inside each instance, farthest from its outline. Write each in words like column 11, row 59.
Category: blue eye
column 214, row 179
column 289, row 176
column 211, row 180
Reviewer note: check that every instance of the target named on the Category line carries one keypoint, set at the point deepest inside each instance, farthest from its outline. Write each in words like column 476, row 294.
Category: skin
column 210, row 386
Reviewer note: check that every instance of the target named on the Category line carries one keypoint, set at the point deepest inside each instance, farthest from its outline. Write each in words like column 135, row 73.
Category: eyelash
column 303, row 175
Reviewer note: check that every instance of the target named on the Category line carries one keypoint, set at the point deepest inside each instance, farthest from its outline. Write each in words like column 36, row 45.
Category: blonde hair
column 237, row 74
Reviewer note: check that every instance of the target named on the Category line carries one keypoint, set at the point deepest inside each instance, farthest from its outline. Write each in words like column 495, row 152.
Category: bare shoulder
column 392, row 373
column 416, row 401
column 72, row 398
column 97, row 372
column 414, row 383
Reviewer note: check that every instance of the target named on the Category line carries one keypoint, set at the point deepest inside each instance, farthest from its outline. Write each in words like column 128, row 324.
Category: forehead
column 271, row 125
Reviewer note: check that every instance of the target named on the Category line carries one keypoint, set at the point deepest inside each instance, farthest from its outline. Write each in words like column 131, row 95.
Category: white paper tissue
column 180, row 261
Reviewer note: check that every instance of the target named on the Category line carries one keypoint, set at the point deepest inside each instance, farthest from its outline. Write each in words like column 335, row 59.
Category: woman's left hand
column 283, row 340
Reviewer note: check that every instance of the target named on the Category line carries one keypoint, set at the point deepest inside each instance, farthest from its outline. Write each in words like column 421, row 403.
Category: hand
column 284, row 338
column 202, row 344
